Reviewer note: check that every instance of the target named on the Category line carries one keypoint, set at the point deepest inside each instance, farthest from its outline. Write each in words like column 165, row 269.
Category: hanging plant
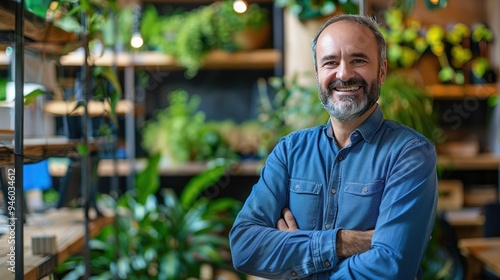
column 309, row 9
column 190, row 35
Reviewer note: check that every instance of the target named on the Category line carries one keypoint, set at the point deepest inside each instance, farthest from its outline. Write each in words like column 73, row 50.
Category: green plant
column 405, row 44
column 90, row 19
column 190, row 35
column 308, row 9
column 407, row 41
column 169, row 238
column 180, row 132
column 291, row 106
column 3, row 89
column 402, row 100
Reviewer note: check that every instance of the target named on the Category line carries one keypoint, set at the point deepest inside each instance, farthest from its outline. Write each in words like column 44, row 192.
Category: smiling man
column 352, row 199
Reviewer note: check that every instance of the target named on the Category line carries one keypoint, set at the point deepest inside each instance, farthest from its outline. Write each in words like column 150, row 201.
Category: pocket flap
column 363, row 188
column 305, row 187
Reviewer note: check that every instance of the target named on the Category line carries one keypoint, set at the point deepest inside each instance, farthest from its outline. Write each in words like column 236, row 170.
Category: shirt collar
column 371, row 125
column 367, row 129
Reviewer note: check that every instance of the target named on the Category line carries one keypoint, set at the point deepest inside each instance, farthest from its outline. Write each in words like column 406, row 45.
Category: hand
column 287, row 221
column 351, row 242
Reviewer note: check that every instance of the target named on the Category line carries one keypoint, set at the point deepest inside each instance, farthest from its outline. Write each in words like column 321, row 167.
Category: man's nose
column 344, row 71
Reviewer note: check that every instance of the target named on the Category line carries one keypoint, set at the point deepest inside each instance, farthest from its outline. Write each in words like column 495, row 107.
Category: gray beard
column 348, row 108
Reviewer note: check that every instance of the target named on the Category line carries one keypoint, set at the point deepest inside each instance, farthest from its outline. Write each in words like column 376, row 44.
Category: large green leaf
column 200, row 183
column 148, row 181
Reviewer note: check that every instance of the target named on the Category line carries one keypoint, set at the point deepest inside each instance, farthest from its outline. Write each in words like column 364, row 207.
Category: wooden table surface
column 68, row 227
column 486, row 250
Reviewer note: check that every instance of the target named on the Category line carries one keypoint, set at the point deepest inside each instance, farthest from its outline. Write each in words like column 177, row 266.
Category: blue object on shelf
column 37, row 176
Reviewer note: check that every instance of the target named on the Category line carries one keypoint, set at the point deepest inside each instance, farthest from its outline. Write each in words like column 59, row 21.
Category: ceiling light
column 240, row 6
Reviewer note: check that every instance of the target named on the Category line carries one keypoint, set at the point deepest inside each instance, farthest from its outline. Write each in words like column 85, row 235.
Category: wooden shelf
column 477, row 162
column 480, row 91
column 262, row 58
column 40, row 35
column 34, row 152
column 106, row 168
column 95, row 108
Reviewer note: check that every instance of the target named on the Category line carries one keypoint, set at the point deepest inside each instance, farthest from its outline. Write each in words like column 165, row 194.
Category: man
column 352, row 199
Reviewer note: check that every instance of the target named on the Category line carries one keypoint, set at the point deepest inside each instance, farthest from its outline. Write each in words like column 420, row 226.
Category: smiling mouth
column 347, row 89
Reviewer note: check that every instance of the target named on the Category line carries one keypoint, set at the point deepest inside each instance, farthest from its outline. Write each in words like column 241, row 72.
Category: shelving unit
column 480, row 91
column 26, row 32
column 40, row 35
column 263, row 58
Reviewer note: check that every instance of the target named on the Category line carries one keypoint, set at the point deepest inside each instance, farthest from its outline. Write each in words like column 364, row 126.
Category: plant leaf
column 30, row 98
column 199, row 183
column 148, row 181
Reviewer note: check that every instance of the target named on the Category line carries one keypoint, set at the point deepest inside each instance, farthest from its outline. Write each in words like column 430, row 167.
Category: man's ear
column 383, row 72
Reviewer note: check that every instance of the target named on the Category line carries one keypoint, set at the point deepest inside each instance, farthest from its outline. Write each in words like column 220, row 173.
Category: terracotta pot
column 251, row 39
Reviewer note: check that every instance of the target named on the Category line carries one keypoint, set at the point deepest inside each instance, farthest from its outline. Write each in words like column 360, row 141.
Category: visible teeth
column 352, row 88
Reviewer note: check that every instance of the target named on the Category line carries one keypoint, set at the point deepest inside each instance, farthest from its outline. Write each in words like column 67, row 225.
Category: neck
column 343, row 129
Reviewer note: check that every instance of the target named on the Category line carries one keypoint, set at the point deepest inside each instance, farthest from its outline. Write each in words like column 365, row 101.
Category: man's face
column 349, row 76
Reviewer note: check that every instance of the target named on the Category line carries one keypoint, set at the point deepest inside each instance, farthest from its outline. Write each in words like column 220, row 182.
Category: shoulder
column 306, row 133
column 402, row 132
column 407, row 139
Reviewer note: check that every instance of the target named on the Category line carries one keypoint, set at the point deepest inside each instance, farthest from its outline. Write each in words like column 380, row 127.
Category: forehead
column 347, row 35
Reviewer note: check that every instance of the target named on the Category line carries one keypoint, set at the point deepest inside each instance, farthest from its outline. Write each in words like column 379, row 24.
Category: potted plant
column 181, row 134
column 190, row 35
column 174, row 237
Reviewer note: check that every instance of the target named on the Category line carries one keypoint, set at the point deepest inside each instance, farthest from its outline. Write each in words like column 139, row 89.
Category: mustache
column 350, row 82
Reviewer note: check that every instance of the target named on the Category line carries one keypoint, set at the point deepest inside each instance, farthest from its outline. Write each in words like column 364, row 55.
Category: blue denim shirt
column 385, row 179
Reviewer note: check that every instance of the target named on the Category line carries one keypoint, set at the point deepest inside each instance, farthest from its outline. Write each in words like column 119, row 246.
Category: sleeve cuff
column 325, row 250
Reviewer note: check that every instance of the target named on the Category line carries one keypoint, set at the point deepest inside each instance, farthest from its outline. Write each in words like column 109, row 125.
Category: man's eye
column 359, row 61
column 330, row 63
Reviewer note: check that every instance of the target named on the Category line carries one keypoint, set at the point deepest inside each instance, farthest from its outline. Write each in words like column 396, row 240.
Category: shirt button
column 297, row 187
column 334, row 191
column 341, row 158
column 327, row 226
column 365, row 190
column 293, row 273
column 327, row 263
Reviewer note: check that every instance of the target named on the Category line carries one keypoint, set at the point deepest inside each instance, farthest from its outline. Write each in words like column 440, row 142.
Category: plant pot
column 251, row 39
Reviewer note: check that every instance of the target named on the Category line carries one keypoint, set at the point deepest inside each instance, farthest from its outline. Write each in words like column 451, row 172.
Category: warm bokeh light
column 136, row 41
column 240, row 6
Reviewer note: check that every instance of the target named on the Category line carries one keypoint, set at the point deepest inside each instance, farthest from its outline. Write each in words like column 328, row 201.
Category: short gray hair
column 363, row 20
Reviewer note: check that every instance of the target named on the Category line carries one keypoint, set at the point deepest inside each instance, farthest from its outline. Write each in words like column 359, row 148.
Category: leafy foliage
column 308, row 9
column 180, row 132
column 169, row 238
column 453, row 46
column 289, row 107
column 402, row 100
column 190, row 35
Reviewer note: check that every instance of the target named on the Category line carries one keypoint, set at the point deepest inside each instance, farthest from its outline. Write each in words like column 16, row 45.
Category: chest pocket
column 360, row 203
column 305, row 202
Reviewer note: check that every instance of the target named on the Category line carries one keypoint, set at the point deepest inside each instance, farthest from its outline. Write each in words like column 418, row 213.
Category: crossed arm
column 349, row 242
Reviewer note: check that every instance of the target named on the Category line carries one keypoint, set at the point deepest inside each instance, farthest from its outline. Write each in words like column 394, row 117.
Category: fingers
column 281, row 225
column 287, row 222
column 289, row 219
